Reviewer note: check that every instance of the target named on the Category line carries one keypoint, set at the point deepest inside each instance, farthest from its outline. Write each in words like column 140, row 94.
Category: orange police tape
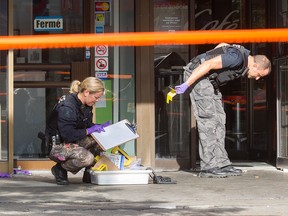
column 143, row 38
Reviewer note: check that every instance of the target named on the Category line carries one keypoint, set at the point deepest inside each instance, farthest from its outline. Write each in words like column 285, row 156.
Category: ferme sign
column 48, row 23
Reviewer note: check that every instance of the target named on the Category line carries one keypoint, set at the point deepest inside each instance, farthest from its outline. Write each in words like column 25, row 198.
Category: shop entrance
column 282, row 113
column 245, row 101
column 6, row 158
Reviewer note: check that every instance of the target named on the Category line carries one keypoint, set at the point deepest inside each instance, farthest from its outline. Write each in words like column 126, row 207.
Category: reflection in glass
column 3, row 107
column 172, row 121
column 25, row 12
column 3, row 86
column 260, row 136
column 283, row 108
column 32, row 106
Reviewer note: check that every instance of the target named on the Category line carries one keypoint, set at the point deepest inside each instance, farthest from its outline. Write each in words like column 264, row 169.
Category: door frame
column 281, row 161
column 7, row 166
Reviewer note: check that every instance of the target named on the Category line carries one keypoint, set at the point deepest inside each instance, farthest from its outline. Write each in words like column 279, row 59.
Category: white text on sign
column 101, row 75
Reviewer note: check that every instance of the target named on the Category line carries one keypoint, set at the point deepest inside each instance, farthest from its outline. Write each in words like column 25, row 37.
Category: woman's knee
column 87, row 159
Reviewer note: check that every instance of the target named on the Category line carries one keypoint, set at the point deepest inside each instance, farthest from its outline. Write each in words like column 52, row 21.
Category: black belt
column 196, row 60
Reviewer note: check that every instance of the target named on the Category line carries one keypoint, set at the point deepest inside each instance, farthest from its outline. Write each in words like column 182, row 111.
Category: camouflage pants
column 74, row 156
column 211, row 118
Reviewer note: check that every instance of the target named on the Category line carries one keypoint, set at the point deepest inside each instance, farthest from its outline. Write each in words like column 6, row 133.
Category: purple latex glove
column 98, row 128
column 106, row 124
column 180, row 89
column 4, row 175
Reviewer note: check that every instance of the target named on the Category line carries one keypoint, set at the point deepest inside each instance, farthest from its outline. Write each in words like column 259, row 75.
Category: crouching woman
column 69, row 128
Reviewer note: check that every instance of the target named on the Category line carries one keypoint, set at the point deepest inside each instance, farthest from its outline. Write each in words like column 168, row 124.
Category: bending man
column 205, row 73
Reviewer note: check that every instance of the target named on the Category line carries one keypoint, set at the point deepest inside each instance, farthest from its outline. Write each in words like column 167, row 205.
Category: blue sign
column 99, row 29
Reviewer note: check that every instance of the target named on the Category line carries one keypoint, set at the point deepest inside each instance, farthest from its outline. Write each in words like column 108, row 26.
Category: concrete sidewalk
column 261, row 190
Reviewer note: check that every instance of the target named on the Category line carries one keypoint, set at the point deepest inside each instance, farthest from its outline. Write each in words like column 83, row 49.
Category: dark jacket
column 69, row 119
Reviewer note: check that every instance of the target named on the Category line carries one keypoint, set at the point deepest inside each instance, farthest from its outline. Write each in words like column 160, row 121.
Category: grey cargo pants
column 75, row 156
column 211, row 118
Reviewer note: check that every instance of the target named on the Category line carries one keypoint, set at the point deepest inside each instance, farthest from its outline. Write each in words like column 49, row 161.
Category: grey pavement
column 261, row 190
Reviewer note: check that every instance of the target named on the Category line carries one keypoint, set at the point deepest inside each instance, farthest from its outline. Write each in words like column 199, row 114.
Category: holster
column 46, row 145
column 212, row 79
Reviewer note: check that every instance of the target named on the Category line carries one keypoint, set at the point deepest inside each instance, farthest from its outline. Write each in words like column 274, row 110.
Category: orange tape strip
column 120, row 76
column 144, row 38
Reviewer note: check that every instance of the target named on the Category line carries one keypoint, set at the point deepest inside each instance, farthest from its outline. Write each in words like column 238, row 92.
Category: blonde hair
column 92, row 85
column 74, row 87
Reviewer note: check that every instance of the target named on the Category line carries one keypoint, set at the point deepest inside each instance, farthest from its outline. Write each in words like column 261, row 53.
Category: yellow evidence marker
column 170, row 95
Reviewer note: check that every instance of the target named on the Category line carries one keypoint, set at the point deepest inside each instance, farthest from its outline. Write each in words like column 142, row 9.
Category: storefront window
column 33, row 17
column 282, row 91
column 171, row 15
column 30, row 120
column 259, row 138
column 41, row 75
column 172, row 123
column 3, row 86
column 282, row 22
column 116, row 65
column 209, row 15
column 282, row 110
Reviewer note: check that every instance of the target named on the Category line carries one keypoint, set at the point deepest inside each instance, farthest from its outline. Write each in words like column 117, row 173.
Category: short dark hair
column 263, row 62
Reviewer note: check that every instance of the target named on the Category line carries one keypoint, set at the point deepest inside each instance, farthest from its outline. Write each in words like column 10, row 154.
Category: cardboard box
column 105, row 160
column 120, row 177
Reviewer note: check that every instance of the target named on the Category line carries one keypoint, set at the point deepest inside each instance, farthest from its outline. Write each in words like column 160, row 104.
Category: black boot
column 213, row 173
column 86, row 176
column 60, row 174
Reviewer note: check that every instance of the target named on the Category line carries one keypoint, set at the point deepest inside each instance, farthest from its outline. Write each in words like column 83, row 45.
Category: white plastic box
column 120, row 177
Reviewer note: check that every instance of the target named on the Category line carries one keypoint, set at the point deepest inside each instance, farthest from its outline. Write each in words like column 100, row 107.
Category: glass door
column 41, row 76
column 209, row 16
column 3, row 107
column 115, row 65
column 4, row 144
column 282, row 113
column 282, row 89
column 172, row 121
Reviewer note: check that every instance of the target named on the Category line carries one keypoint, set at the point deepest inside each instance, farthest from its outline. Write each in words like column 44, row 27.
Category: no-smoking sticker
column 101, row 64
column 101, row 50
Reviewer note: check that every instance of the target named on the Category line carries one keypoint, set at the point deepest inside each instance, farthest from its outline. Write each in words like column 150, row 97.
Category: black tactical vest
column 221, row 78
